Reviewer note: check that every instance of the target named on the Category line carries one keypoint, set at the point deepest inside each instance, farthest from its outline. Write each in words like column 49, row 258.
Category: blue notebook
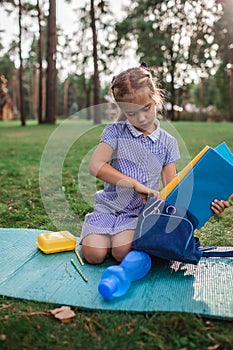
column 210, row 178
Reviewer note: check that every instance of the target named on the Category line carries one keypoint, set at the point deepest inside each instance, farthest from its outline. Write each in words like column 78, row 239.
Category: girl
column 132, row 156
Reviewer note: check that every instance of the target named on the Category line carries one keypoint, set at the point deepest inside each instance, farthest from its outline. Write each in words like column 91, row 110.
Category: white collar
column 136, row 133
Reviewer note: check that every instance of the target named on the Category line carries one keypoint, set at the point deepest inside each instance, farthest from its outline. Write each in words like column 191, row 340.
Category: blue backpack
column 166, row 231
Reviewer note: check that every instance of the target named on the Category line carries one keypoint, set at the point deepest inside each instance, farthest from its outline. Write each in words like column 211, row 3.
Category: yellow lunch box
column 54, row 242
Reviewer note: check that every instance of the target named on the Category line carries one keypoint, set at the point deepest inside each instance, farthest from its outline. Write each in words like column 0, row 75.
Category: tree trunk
column 173, row 97
column 15, row 92
column 97, row 112
column 51, row 82
column 33, row 93
column 40, row 50
column 201, row 98
column 22, row 113
column 65, row 97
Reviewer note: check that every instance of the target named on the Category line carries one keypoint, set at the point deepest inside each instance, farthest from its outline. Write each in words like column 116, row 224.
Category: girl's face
column 140, row 112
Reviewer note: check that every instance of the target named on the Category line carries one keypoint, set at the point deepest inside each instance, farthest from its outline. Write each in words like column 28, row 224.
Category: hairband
column 144, row 65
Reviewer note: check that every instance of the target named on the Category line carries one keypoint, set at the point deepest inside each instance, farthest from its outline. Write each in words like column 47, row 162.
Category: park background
column 50, row 75
column 50, row 72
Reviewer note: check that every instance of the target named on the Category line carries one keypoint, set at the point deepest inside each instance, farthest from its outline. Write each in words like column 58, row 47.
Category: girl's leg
column 121, row 244
column 95, row 248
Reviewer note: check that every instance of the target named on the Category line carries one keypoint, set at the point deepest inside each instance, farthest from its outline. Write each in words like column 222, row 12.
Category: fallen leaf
column 64, row 313
column 56, row 311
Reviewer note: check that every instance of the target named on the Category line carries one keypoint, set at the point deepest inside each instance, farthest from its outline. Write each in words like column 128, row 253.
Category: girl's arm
column 100, row 168
column 168, row 173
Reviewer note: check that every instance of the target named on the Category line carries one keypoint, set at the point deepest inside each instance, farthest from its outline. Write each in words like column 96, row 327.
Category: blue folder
column 210, row 178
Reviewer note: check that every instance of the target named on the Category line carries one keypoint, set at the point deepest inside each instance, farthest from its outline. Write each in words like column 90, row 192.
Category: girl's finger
column 219, row 206
column 153, row 193
column 226, row 204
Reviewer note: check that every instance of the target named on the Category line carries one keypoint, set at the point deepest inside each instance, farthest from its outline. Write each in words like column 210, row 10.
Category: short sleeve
column 110, row 136
column 173, row 153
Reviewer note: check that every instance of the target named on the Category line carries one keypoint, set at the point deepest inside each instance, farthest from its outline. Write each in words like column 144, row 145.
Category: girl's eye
column 146, row 108
column 131, row 114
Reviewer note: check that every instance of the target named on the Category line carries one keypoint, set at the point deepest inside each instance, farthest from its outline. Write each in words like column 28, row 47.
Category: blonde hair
column 126, row 85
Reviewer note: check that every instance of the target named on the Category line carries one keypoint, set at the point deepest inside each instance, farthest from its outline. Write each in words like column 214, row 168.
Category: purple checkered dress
column 141, row 157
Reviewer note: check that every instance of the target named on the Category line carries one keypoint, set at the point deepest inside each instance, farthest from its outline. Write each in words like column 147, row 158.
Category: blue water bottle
column 116, row 279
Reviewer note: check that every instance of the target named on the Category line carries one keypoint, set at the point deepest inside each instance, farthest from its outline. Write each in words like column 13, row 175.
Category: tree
column 224, row 38
column 14, row 4
column 21, row 91
column 93, row 47
column 34, row 61
column 22, row 9
column 97, row 115
column 175, row 37
column 40, row 60
column 51, row 82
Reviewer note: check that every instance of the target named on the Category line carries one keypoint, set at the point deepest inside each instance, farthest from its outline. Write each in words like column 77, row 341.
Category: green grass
column 25, row 325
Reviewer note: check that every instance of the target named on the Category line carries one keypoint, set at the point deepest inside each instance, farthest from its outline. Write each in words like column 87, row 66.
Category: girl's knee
column 94, row 255
column 95, row 248
column 118, row 253
column 122, row 244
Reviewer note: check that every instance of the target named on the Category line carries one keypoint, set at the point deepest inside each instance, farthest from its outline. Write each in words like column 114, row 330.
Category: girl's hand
column 218, row 206
column 144, row 192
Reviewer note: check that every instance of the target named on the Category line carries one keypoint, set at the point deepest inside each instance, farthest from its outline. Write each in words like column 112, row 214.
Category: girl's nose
column 141, row 116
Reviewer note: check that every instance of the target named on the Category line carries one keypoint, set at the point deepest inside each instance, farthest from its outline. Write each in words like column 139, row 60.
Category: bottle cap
column 108, row 286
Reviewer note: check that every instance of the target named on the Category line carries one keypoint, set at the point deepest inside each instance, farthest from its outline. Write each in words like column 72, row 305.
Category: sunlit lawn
column 23, row 324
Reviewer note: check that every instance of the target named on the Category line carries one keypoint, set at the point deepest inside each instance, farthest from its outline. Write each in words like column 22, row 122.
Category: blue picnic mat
column 27, row 273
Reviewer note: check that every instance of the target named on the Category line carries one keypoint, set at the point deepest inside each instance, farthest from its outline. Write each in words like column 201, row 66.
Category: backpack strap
column 207, row 252
column 226, row 254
